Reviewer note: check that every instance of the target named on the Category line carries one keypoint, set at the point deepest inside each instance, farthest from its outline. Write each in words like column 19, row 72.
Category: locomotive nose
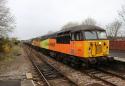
column 99, row 48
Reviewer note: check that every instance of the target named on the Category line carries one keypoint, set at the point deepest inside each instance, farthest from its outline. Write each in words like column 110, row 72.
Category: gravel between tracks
column 80, row 78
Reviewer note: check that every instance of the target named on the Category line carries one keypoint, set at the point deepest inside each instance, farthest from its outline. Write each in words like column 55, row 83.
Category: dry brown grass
column 10, row 53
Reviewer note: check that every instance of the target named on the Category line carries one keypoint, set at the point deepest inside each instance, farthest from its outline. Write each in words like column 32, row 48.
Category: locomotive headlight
column 100, row 43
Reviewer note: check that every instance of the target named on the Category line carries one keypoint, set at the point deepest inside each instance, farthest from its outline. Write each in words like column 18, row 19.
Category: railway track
column 105, row 73
column 49, row 74
column 113, row 73
column 38, row 76
column 116, row 69
column 108, row 77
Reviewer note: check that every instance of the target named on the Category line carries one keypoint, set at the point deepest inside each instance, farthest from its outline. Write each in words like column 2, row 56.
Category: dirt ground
column 15, row 67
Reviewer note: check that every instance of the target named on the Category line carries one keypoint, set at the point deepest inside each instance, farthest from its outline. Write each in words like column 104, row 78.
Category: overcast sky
column 37, row 17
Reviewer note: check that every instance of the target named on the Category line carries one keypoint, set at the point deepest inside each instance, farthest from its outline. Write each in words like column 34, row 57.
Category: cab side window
column 59, row 39
column 63, row 39
column 73, row 37
column 67, row 39
column 76, row 36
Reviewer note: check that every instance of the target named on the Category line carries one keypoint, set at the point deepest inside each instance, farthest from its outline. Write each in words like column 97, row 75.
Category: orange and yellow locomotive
column 79, row 43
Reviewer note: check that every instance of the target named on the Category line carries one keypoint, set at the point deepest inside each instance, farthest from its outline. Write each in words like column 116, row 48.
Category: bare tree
column 70, row 24
column 6, row 19
column 89, row 21
column 122, row 14
column 113, row 29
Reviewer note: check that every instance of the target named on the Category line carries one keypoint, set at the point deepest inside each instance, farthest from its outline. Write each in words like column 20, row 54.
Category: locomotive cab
column 96, row 44
column 91, row 44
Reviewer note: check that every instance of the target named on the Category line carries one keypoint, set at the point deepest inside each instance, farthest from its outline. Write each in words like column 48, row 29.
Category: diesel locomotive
column 78, row 44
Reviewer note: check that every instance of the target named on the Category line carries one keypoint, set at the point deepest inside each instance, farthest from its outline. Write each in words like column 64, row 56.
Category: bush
column 5, row 45
column 7, row 48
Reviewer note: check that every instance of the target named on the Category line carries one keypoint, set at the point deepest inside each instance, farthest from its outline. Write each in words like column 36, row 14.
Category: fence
column 117, row 45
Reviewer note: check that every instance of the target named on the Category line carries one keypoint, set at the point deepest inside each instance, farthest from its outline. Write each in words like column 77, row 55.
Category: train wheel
column 75, row 62
column 102, row 60
column 60, row 57
column 75, row 65
column 64, row 60
column 72, row 64
column 92, row 61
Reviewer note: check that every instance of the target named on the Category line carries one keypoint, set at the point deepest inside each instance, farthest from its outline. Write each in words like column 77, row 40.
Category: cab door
column 76, row 44
column 72, row 46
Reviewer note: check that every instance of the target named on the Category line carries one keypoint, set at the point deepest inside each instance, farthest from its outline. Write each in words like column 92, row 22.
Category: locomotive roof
column 82, row 27
column 73, row 29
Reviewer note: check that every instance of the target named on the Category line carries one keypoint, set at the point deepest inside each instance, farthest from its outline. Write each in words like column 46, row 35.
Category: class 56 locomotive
column 86, row 42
